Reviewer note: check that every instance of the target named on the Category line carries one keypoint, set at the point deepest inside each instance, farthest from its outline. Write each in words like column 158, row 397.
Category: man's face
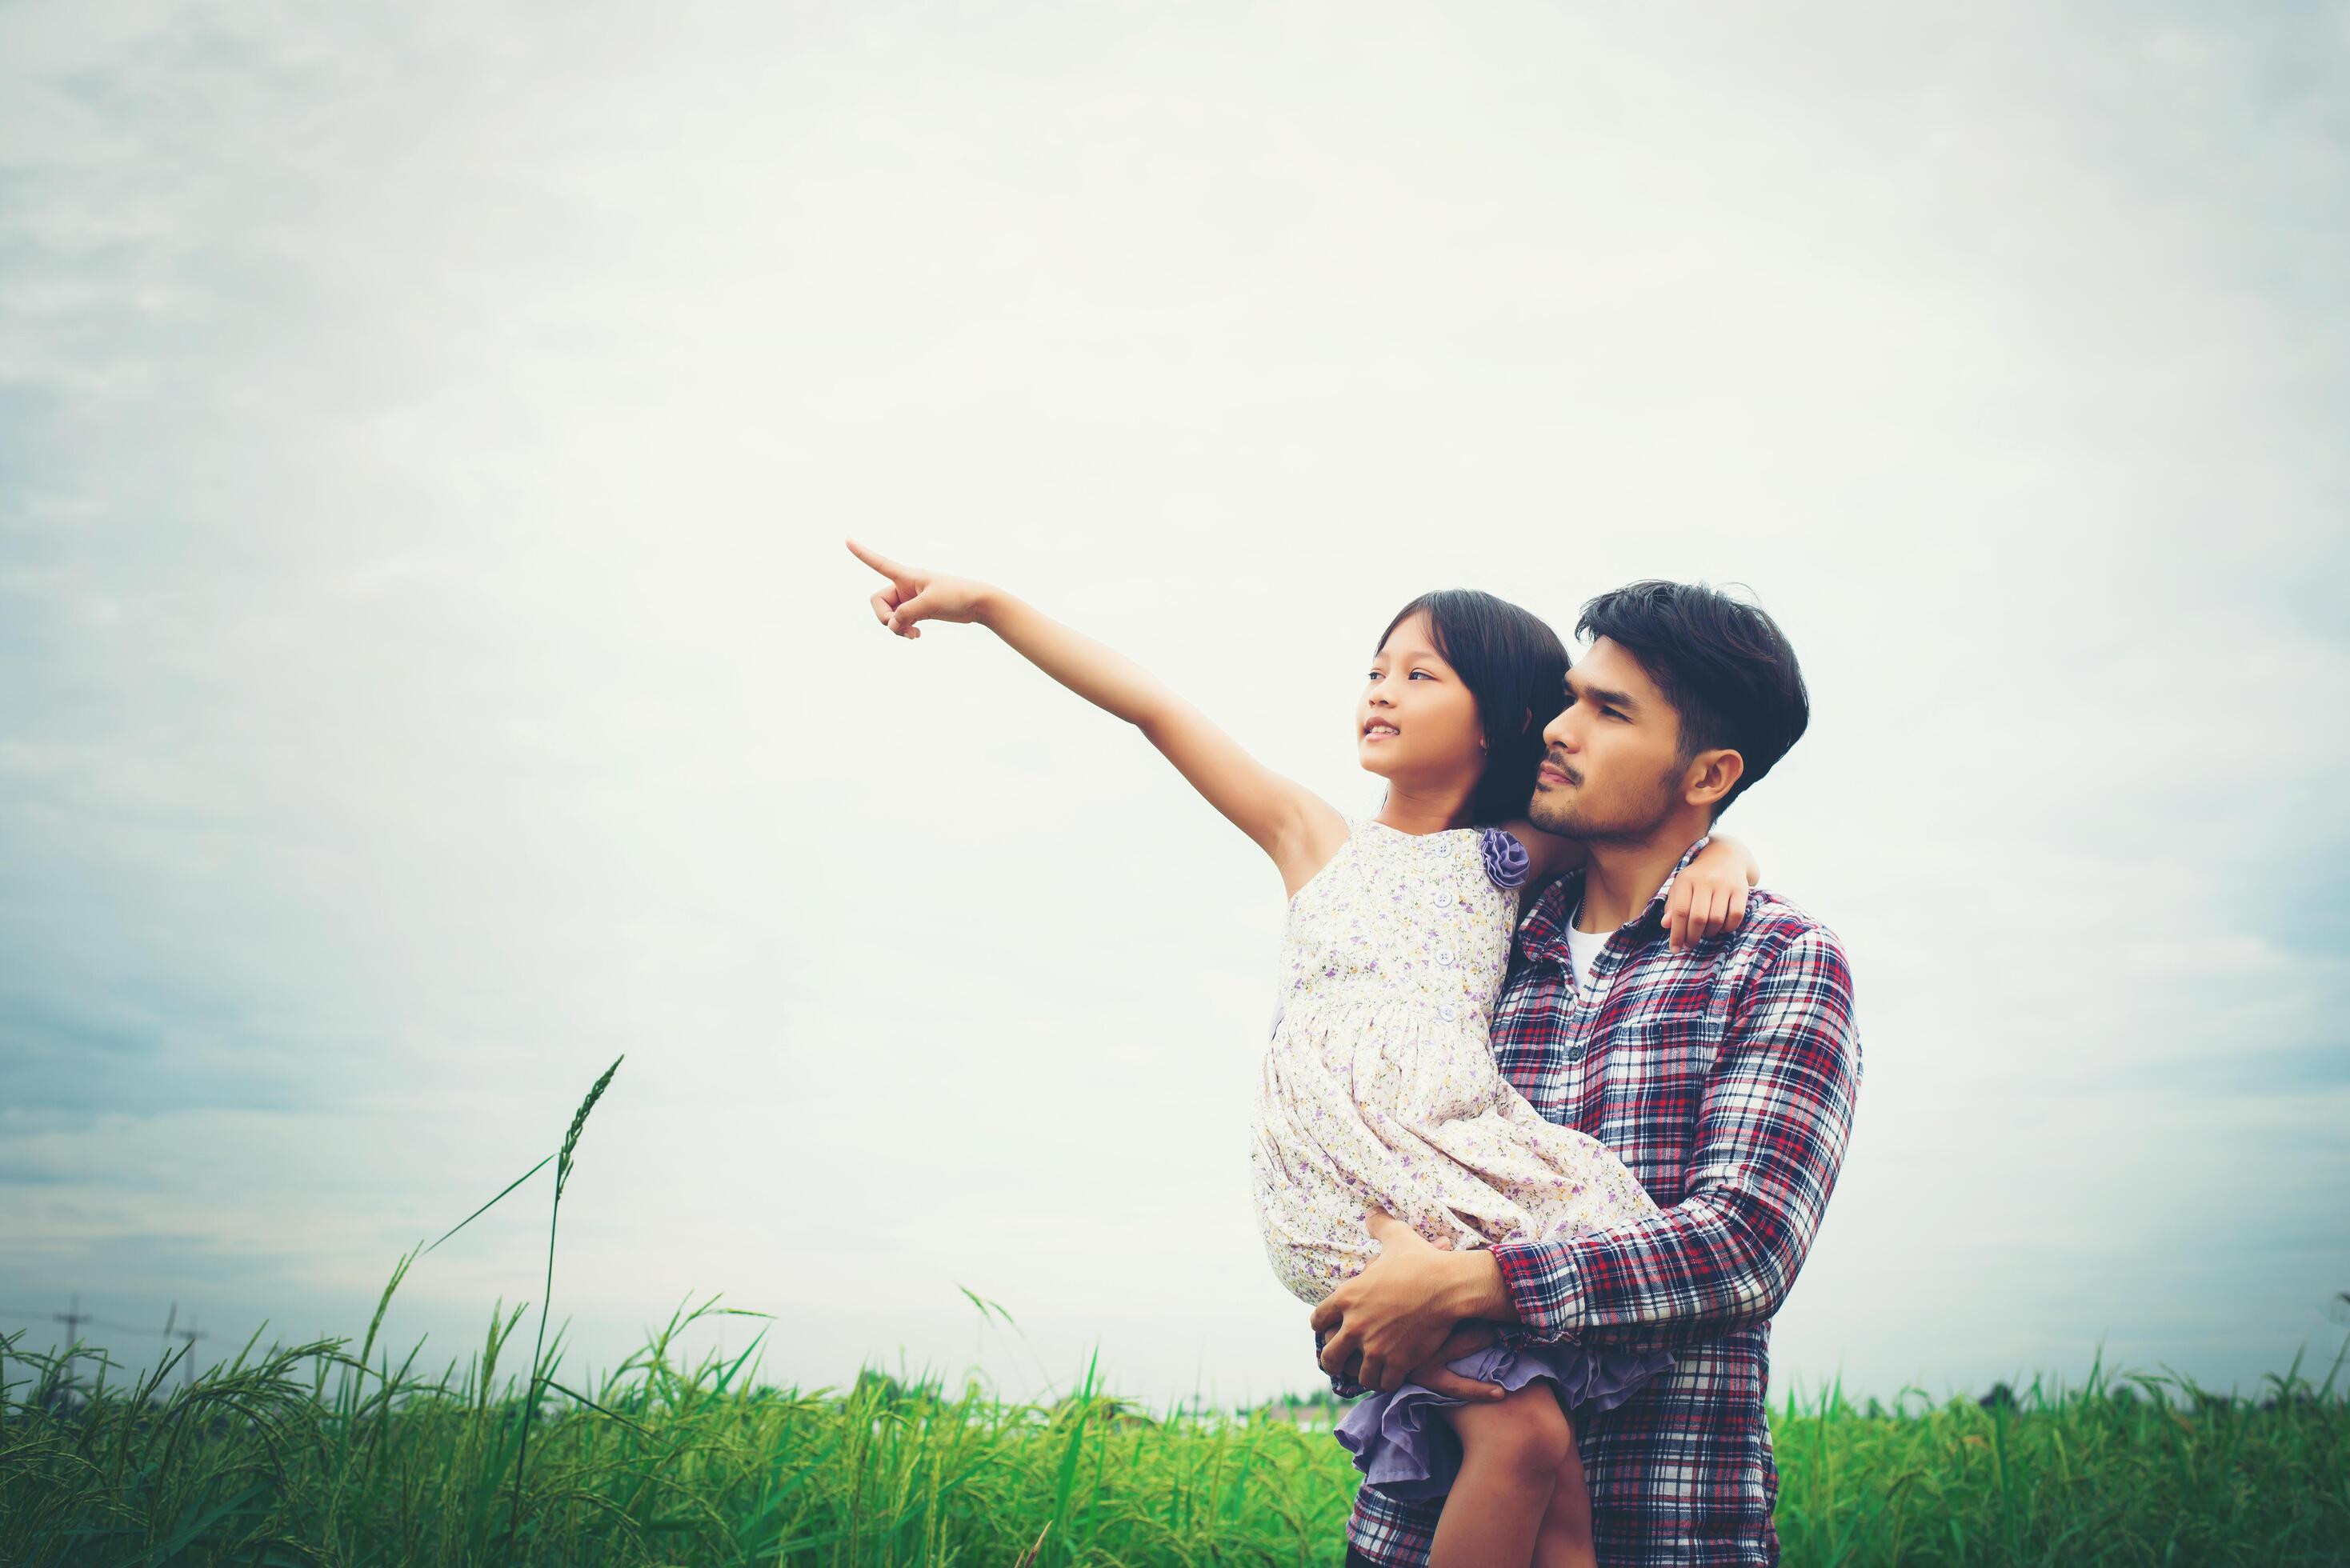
column 1613, row 770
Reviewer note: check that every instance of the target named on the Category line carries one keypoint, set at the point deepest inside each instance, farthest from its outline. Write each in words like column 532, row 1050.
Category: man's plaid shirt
column 1725, row 1077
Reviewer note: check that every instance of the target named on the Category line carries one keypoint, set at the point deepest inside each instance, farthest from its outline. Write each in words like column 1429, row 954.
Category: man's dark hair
column 1515, row 665
column 1725, row 665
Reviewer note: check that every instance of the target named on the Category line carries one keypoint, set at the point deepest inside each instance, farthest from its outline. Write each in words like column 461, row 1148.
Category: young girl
column 1378, row 1088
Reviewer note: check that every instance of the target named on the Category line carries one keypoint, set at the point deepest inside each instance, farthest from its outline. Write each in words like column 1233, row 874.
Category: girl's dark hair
column 1515, row 667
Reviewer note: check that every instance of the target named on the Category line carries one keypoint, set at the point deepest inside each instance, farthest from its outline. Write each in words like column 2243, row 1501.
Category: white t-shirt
column 1583, row 947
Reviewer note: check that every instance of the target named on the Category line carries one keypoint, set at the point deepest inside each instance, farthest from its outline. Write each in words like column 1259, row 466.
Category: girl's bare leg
column 1512, row 1453
column 1565, row 1541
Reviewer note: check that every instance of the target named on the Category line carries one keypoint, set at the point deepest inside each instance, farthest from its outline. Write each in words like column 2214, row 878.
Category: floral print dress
column 1378, row 1086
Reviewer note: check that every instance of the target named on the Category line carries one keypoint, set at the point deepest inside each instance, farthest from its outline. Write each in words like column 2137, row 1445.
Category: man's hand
column 1436, row 1373
column 1402, row 1312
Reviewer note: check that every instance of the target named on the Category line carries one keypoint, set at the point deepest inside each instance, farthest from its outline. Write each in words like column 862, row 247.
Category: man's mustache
column 1557, row 765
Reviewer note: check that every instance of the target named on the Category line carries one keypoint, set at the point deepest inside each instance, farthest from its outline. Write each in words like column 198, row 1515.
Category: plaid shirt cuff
column 1544, row 1287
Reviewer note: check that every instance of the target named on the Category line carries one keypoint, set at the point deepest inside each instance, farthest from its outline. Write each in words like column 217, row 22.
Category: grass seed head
column 579, row 1120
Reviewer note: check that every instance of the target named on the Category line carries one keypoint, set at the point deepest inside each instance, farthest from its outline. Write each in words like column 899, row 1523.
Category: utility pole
column 189, row 1335
column 73, row 1319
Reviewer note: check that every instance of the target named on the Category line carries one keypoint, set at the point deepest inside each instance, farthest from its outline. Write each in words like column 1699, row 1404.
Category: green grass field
column 319, row 1454
column 311, row 1454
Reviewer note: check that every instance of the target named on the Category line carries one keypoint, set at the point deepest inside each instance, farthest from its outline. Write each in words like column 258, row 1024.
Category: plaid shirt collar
column 1545, row 928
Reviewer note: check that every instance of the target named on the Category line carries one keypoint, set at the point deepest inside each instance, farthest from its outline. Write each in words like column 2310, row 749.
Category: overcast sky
column 429, row 668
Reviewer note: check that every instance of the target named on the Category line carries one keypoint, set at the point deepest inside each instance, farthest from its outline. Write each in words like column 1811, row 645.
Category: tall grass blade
column 493, row 1203
column 554, row 1217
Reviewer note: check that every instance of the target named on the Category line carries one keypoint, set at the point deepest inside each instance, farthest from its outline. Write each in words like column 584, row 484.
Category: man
column 1723, row 1074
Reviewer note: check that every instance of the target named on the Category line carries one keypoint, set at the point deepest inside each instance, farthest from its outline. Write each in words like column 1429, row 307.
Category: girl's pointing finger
column 881, row 564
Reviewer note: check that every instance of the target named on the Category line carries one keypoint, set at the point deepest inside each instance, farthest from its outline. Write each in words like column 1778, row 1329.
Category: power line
column 77, row 1317
column 73, row 1317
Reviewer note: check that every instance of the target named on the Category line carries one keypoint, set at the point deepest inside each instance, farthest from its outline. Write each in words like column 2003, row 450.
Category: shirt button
column 1447, row 1011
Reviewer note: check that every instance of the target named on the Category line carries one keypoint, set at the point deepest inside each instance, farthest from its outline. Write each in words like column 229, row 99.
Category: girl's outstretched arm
column 1294, row 826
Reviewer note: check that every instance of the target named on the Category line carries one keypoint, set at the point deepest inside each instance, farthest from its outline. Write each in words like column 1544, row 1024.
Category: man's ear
column 1711, row 775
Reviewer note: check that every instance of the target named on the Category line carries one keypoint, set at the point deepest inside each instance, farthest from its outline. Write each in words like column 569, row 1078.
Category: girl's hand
column 1286, row 820
column 1709, row 897
column 916, row 595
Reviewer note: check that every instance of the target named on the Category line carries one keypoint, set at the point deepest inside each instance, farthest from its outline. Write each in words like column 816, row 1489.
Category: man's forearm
column 1772, row 1129
column 1692, row 1273
column 1475, row 1288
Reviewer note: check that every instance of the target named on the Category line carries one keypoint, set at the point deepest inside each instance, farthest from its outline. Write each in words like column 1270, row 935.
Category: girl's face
column 1417, row 721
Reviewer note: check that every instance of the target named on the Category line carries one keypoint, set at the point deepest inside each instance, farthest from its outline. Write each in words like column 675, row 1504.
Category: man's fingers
column 1338, row 1352
column 881, row 564
column 883, row 603
column 1436, row 1372
column 1444, row 1380
column 1466, row 1340
column 1677, row 913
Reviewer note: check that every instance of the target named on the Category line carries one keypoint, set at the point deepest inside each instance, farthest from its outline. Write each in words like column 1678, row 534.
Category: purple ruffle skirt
column 1405, row 1447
